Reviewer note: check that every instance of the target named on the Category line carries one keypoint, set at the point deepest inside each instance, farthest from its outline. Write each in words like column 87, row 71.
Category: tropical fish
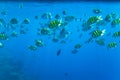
column 54, row 24
column 46, row 16
column 64, row 33
column 45, row 31
column 32, row 47
column 3, row 36
column 100, row 42
column 101, row 23
column 115, row 22
column 39, row 43
column 14, row 34
column 98, row 33
column 77, row 46
column 86, row 27
column 58, row 52
column 57, row 16
column 64, row 12
column 97, row 11
column 26, row 21
column 116, row 34
column 108, row 18
column 94, row 19
column 112, row 45
column 14, row 21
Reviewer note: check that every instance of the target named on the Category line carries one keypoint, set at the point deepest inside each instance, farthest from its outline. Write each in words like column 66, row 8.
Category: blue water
column 92, row 62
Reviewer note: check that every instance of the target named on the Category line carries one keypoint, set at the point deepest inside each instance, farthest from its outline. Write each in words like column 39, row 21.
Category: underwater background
column 59, row 40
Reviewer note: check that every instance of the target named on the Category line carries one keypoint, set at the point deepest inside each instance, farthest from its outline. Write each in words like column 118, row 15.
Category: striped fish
column 116, row 34
column 54, row 24
column 98, row 33
column 115, row 22
column 93, row 19
column 112, row 45
column 3, row 36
